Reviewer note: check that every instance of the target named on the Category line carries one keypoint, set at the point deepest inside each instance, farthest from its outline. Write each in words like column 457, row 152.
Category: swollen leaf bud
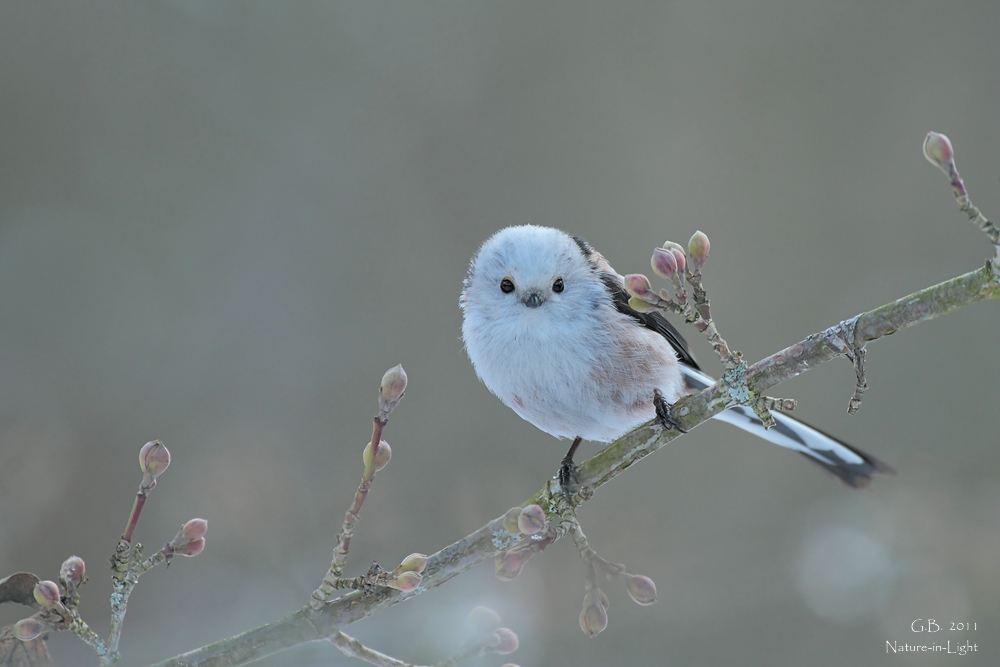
column 510, row 520
column 72, row 572
column 641, row 589
column 508, row 641
column 938, row 151
column 638, row 285
column 531, row 520
column 192, row 548
column 391, row 391
column 412, row 563
column 664, row 263
column 28, row 628
column 194, row 529
column 483, row 620
column 153, row 460
column 640, row 306
column 509, row 564
column 698, row 248
column 381, row 459
column 406, row 582
column 680, row 258
column 47, row 594
column 593, row 618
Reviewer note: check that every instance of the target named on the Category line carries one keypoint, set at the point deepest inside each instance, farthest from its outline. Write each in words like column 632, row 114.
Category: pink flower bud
column 641, row 589
column 412, row 563
column 28, row 628
column 405, row 582
column 381, row 459
column 638, row 285
column 47, row 594
column 938, row 151
column 153, row 460
column 508, row 641
column 192, row 548
column 510, row 520
column 593, row 618
column 531, row 520
column 664, row 263
column 73, row 571
column 680, row 258
column 391, row 391
column 484, row 620
column 605, row 602
column 698, row 248
column 190, row 539
column 194, row 529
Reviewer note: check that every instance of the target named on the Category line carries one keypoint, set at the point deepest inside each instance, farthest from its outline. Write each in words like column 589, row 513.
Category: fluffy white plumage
column 548, row 329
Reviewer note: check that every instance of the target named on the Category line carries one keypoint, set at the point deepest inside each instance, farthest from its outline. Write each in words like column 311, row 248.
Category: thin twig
column 350, row 646
column 79, row 628
column 334, row 578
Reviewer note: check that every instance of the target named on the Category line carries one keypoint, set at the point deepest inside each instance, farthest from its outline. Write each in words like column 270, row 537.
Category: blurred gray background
column 221, row 222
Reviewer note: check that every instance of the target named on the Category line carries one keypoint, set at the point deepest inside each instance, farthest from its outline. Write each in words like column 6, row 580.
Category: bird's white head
column 528, row 275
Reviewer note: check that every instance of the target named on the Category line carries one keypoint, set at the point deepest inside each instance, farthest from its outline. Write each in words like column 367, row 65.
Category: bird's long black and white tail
column 852, row 466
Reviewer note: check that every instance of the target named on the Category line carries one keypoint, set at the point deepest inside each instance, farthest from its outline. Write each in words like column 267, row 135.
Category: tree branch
column 488, row 542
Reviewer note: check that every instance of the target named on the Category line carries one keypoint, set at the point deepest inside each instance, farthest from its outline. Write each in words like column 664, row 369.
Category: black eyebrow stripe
column 584, row 246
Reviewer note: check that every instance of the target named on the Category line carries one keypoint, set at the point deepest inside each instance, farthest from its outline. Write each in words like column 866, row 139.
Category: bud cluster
column 488, row 633
column 594, row 616
column 408, row 574
column 531, row 522
column 510, row 520
column 502, row 641
column 669, row 262
column 189, row 540
column 48, row 596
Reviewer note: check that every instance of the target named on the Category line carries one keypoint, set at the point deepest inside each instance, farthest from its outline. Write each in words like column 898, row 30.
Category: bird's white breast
column 591, row 376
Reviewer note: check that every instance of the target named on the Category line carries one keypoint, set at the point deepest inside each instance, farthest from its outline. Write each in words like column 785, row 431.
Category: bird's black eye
column 506, row 285
column 557, row 286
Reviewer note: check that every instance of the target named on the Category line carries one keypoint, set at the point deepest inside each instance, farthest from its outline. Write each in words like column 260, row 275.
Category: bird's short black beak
column 533, row 300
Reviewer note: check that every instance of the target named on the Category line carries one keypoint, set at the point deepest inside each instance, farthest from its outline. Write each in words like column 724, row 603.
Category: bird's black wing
column 653, row 321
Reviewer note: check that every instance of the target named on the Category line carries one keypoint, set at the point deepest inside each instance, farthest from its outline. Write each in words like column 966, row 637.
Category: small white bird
column 548, row 328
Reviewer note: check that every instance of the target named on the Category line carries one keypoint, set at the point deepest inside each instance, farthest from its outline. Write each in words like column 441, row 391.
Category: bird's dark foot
column 664, row 414
column 568, row 480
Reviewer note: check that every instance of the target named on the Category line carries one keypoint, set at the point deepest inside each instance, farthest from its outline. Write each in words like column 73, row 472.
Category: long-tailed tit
column 548, row 328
